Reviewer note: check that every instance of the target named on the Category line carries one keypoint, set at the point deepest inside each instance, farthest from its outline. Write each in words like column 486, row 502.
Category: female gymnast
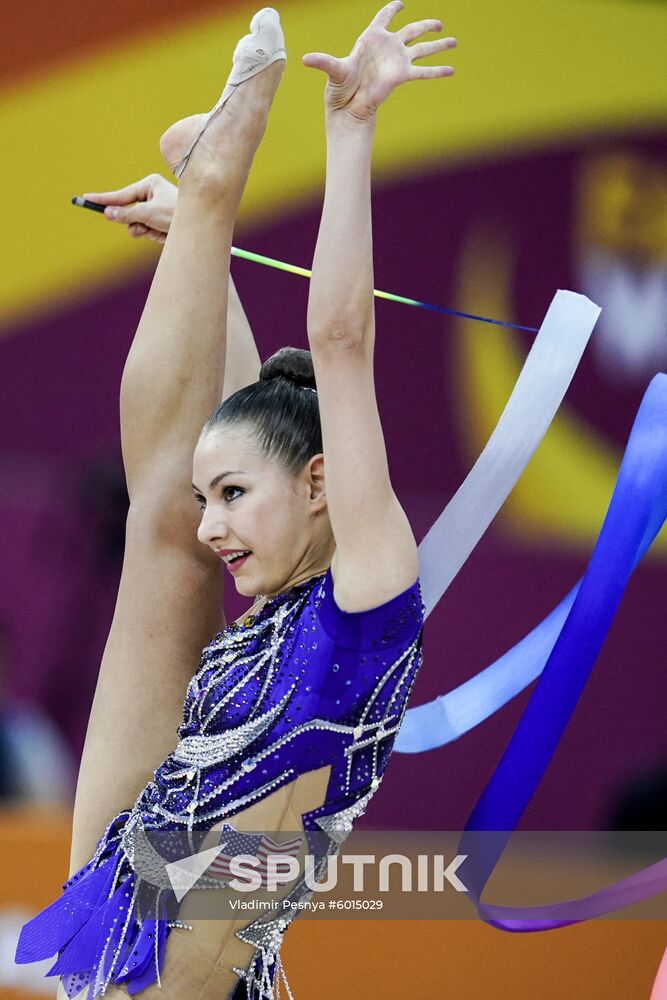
column 291, row 715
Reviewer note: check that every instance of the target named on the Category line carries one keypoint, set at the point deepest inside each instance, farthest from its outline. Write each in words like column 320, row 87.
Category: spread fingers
column 423, row 49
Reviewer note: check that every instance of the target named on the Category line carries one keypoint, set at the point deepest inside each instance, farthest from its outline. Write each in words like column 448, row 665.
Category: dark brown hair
column 281, row 408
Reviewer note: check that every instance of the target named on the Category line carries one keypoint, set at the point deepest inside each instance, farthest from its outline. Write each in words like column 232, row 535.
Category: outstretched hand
column 379, row 62
column 146, row 207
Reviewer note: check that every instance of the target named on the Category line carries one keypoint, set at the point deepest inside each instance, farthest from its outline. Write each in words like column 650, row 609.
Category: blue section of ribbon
column 636, row 513
column 451, row 715
column 561, row 651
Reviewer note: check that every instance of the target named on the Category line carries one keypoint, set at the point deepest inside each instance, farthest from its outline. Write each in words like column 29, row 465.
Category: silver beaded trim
column 338, row 825
column 198, row 751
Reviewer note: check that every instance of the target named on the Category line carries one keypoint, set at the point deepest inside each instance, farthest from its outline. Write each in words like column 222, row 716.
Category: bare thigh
column 168, row 607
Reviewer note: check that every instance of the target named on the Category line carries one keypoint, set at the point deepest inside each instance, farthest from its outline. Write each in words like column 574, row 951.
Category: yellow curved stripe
column 564, row 493
column 526, row 73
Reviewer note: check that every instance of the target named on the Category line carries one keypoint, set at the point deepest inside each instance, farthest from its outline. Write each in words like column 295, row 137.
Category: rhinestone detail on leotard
column 300, row 686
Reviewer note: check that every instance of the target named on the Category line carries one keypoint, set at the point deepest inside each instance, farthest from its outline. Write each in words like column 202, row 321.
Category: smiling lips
column 233, row 558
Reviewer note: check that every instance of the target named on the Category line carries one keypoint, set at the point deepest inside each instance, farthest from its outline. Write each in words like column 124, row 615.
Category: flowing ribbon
column 563, row 650
column 534, row 401
column 637, row 510
column 451, row 715
column 539, row 391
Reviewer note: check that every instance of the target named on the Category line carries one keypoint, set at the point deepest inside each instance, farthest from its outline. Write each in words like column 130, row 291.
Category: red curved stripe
column 40, row 35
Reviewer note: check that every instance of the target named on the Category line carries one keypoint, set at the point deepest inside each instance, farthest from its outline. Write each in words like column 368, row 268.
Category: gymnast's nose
column 212, row 529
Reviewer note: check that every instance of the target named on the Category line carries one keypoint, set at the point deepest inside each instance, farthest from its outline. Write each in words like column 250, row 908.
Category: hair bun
column 292, row 364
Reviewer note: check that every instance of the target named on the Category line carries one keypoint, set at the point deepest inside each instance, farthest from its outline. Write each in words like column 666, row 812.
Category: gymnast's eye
column 200, row 501
column 234, row 489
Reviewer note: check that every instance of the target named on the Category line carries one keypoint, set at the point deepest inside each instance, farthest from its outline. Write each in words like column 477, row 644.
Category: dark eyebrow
column 214, row 482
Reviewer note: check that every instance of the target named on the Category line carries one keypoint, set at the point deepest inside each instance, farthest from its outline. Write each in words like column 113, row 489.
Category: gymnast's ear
column 314, row 472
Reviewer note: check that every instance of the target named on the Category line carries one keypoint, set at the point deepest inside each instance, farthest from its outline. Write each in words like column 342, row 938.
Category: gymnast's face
column 251, row 504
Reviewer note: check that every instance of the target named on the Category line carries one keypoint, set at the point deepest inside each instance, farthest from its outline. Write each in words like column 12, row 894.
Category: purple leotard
column 304, row 685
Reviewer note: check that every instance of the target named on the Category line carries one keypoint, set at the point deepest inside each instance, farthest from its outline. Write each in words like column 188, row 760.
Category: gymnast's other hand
column 379, row 62
column 146, row 207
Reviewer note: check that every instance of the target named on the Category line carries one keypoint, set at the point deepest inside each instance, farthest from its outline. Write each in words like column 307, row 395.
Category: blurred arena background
column 541, row 165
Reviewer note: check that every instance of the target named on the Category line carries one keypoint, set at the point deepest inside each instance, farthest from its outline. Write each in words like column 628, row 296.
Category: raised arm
column 376, row 554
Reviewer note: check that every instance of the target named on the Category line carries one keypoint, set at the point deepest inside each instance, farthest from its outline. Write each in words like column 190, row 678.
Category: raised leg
column 169, row 597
